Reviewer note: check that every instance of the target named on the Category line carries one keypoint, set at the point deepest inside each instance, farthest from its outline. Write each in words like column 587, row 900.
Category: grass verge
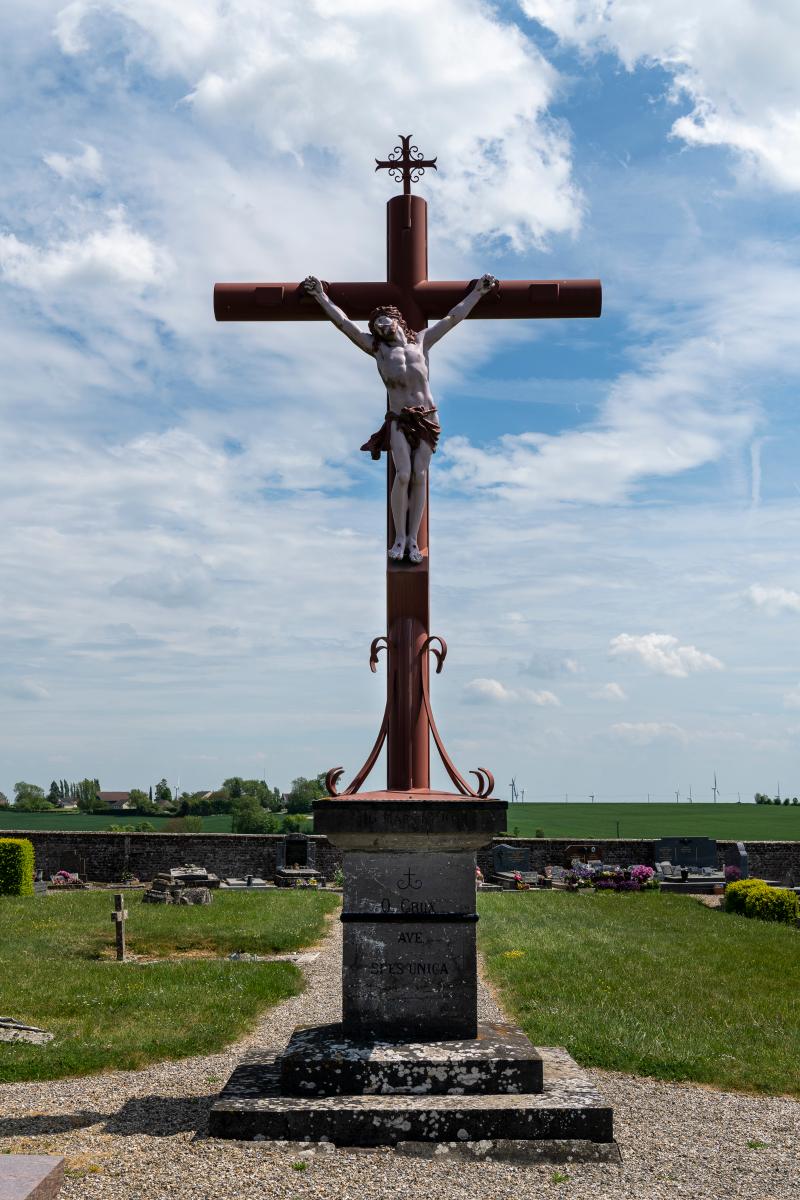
column 108, row 1015
column 649, row 984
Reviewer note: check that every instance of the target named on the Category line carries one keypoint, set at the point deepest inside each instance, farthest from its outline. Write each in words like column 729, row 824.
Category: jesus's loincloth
column 417, row 424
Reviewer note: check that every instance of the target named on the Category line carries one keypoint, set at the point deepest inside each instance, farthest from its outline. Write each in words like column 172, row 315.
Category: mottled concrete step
column 30, row 1176
column 321, row 1061
column 569, row 1106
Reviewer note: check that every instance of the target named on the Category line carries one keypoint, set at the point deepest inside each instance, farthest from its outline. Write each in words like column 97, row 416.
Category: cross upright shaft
column 407, row 723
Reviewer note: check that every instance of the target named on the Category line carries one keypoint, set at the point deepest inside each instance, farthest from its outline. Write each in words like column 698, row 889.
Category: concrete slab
column 569, row 1107
column 30, row 1176
column 321, row 1061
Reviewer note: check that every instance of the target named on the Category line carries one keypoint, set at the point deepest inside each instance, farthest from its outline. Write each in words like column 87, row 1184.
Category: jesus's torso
column 403, row 368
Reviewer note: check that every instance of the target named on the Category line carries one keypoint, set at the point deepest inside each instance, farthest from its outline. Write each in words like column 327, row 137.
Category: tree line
column 762, row 798
column 255, row 807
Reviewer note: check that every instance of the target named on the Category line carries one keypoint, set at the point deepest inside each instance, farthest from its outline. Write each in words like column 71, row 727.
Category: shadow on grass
column 155, row 1116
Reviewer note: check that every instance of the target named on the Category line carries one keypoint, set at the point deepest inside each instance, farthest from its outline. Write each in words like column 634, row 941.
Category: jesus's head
column 386, row 322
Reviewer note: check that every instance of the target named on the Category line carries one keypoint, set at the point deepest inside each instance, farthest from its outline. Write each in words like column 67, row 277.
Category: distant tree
column 87, row 795
column 54, row 795
column 141, row 801
column 4, row 801
column 296, row 824
column 786, row 801
column 151, row 793
column 249, row 817
column 29, row 797
column 184, row 825
column 777, row 800
column 163, row 793
column 233, row 786
column 304, row 792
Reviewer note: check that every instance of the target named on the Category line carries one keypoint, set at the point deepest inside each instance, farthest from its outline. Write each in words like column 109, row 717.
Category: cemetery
column 420, row 989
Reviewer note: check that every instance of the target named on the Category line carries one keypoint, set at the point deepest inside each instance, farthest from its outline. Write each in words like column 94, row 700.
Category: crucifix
column 398, row 311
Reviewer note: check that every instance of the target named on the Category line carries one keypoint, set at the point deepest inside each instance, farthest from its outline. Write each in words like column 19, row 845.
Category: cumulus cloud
column 773, row 600
column 116, row 253
column 483, row 107
column 791, row 699
column 662, row 653
column 492, row 691
column 28, row 689
column 88, row 164
column 609, row 691
column 735, row 63
column 551, row 665
column 642, row 733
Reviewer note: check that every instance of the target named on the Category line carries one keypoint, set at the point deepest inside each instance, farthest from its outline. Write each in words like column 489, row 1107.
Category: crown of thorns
column 390, row 310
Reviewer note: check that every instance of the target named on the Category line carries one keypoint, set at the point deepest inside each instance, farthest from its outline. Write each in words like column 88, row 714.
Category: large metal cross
column 408, row 719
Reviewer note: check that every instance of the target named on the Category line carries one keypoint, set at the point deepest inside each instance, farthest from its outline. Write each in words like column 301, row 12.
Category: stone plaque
column 409, row 883
column 409, row 961
column 406, row 980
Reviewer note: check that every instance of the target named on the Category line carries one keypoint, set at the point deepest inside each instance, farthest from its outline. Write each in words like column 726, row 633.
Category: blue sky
column 191, row 567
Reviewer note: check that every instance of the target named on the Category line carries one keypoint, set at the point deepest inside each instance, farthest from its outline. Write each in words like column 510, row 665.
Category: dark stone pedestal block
column 321, row 1061
column 569, row 1107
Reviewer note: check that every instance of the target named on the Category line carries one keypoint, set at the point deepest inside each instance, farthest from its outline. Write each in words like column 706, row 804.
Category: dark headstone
column 692, row 852
column 510, row 858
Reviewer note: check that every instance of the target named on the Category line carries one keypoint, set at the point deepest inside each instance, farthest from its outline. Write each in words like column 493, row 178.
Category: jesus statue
column 411, row 426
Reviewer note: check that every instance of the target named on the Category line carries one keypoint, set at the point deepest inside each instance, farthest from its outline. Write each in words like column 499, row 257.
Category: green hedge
column 16, row 867
column 754, row 898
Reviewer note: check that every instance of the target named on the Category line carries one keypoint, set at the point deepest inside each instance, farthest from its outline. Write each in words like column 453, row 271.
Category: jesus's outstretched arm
column 485, row 284
column 363, row 340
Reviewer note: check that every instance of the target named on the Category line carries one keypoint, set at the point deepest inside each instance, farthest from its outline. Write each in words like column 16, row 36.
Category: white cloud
column 791, row 699
column 28, row 689
column 773, row 600
column 89, row 164
column 642, row 733
column 116, row 253
column 482, row 690
column 661, row 652
column 471, row 84
column 735, row 62
column 609, row 691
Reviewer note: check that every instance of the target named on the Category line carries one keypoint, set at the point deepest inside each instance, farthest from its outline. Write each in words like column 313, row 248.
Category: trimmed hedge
column 16, row 867
column 754, row 898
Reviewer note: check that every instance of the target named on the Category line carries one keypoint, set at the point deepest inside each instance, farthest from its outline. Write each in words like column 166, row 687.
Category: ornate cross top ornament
column 406, row 162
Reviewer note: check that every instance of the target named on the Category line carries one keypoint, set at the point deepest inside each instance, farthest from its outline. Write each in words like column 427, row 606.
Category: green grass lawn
column 650, row 984
column 727, row 822
column 217, row 823
column 55, row 972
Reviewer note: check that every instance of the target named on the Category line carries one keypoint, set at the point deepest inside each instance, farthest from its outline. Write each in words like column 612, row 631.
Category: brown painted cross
column 408, row 719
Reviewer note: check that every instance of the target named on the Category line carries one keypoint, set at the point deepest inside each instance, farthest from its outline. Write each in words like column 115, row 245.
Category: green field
column 57, row 971
column 650, row 984
column 726, row 822
column 218, row 823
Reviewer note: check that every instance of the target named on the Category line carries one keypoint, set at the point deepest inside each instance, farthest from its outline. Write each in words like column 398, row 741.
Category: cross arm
column 514, row 298
column 291, row 302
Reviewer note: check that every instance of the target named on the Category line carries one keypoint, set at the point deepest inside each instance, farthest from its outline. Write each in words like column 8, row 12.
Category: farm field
column 726, row 822
column 58, row 971
column 650, row 984
column 217, row 823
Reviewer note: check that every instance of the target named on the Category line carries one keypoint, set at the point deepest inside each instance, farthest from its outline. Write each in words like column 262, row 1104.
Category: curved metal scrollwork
column 484, row 777
column 334, row 775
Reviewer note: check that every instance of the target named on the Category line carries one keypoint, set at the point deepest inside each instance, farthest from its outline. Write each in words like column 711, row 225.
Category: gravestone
column 692, row 852
column 510, row 861
column 296, row 858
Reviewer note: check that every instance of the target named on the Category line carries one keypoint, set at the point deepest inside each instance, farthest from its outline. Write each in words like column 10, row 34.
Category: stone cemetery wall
column 106, row 857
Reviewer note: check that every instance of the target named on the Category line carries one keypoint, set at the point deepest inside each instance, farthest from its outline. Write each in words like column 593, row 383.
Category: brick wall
column 105, row 857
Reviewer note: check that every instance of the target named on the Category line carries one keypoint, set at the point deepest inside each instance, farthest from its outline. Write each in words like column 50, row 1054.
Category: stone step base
column 321, row 1061
column 569, row 1107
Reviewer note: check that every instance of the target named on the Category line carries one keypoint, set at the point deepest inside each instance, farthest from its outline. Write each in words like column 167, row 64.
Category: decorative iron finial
column 406, row 162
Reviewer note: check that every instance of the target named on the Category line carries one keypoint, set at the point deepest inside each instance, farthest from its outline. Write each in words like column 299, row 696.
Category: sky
column 191, row 557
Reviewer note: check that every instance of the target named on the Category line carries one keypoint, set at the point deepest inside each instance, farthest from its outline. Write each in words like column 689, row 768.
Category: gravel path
column 132, row 1135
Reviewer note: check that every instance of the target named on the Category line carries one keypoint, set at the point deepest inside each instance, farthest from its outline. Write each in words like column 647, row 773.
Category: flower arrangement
column 65, row 879
column 519, row 883
column 478, row 876
column 732, row 874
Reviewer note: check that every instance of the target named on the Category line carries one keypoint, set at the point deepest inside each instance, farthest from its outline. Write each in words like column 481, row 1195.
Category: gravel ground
column 139, row 1135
